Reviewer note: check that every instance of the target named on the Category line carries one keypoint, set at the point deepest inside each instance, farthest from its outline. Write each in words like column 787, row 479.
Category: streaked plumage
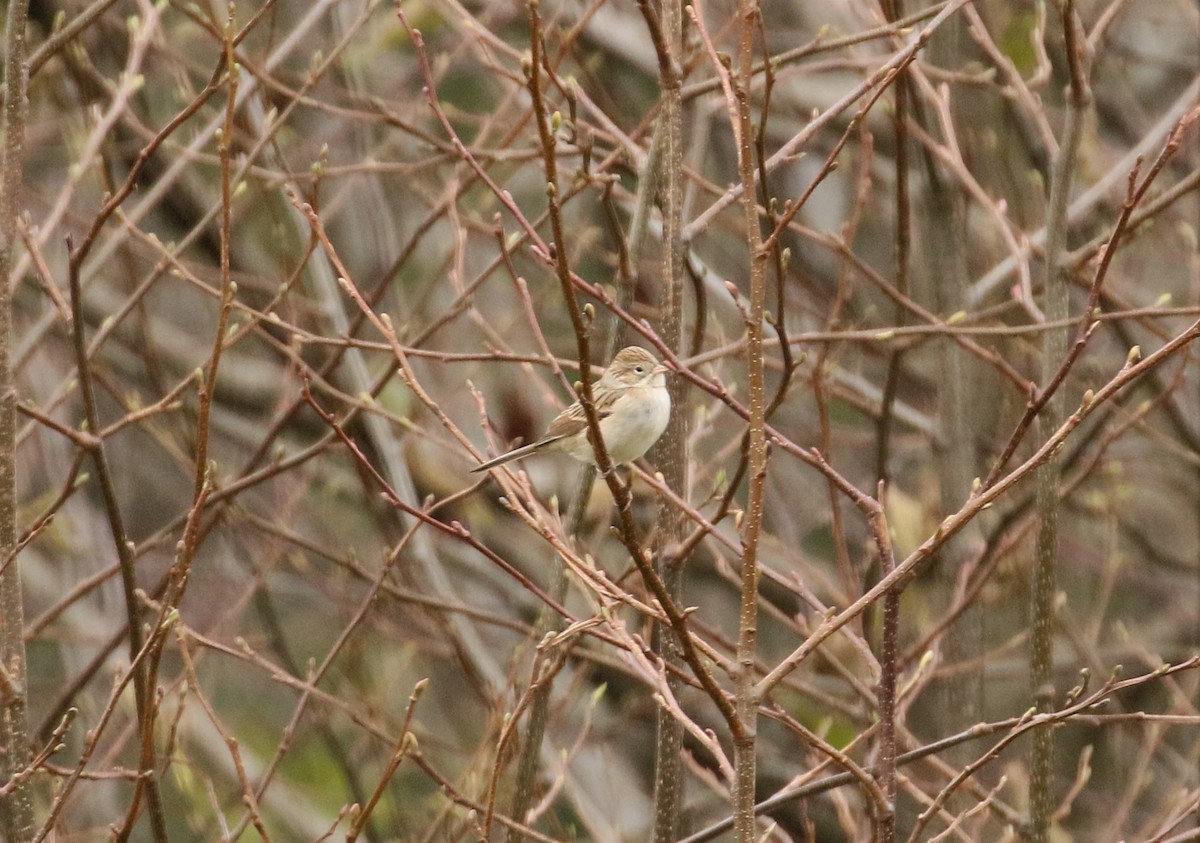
column 633, row 406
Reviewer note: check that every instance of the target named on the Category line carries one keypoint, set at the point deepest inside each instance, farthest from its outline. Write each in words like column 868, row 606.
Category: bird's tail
column 515, row 454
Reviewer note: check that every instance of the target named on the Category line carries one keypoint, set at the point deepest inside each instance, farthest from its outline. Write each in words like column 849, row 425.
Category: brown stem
column 1075, row 710
column 1054, row 349
column 669, row 455
column 746, row 745
column 16, row 807
column 888, row 651
column 1089, row 318
column 978, row 501
column 143, row 695
column 604, row 462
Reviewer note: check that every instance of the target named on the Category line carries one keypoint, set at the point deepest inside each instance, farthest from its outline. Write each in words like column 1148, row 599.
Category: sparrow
column 632, row 404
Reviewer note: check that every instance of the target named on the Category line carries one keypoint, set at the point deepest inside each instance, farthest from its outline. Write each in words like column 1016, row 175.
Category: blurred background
column 315, row 603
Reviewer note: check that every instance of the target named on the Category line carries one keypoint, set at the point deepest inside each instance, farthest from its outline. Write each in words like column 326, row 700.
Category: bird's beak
column 661, row 369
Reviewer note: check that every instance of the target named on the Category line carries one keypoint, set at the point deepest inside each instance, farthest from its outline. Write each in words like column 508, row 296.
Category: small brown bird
column 633, row 406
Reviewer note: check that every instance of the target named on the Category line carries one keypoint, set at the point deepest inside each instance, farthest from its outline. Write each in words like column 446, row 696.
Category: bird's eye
column 638, row 369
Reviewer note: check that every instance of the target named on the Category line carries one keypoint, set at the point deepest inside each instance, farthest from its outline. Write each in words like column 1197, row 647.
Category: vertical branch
column 669, row 454
column 548, row 619
column 1195, row 263
column 581, row 322
column 886, row 832
column 16, row 806
column 1054, row 349
column 127, row 562
column 903, row 247
column 228, row 288
column 959, row 696
column 888, row 662
column 746, row 699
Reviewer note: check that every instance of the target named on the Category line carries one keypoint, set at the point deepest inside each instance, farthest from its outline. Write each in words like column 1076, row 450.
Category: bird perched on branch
column 632, row 404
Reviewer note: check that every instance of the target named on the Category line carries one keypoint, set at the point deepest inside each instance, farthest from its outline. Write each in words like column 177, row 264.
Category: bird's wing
column 573, row 420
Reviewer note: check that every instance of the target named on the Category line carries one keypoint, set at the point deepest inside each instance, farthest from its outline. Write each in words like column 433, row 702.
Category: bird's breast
column 636, row 425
